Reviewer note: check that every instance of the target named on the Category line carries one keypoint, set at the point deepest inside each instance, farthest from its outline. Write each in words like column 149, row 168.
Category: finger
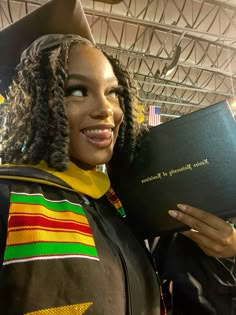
column 207, row 250
column 206, row 228
column 193, row 223
column 205, row 217
column 223, row 247
column 217, row 246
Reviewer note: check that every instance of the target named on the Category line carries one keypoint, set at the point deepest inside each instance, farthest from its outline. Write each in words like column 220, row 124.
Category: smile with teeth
column 101, row 137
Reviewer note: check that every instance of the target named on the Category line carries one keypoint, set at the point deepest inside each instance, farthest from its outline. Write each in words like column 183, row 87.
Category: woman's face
column 92, row 107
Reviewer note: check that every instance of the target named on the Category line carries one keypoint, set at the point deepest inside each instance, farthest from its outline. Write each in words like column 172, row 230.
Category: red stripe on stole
column 113, row 198
column 46, row 216
column 21, row 221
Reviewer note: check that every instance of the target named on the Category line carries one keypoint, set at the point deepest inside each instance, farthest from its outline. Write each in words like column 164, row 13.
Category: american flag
column 154, row 114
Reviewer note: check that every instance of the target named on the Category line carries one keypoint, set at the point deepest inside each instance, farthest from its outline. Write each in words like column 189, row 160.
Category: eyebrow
column 75, row 76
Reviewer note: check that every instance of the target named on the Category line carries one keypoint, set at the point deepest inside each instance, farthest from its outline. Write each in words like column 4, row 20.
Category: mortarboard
column 55, row 17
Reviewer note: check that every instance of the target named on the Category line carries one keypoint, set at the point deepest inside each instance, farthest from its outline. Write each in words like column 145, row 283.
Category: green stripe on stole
column 46, row 249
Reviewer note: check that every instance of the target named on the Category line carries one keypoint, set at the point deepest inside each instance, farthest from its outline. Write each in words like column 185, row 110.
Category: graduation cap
column 55, row 17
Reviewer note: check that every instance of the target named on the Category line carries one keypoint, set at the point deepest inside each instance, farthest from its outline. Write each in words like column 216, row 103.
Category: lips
column 99, row 136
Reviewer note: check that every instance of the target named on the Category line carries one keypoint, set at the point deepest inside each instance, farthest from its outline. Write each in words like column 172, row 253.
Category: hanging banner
column 140, row 108
column 2, row 99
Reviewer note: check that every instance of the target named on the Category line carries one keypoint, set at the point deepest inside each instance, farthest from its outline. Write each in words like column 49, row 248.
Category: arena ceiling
column 181, row 53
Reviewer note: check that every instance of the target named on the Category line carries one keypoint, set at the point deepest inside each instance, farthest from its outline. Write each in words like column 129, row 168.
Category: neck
column 83, row 166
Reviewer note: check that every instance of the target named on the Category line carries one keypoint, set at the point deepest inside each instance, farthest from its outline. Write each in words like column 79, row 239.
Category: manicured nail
column 173, row 213
column 182, row 207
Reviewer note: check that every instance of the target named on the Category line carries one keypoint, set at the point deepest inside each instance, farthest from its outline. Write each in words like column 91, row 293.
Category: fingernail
column 173, row 213
column 182, row 207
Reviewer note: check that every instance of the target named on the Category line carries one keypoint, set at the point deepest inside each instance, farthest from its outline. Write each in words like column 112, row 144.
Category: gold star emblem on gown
column 76, row 309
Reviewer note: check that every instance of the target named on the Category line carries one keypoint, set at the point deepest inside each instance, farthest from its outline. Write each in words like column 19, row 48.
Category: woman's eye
column 76, row 91
column 113, row 94
column 116, row 92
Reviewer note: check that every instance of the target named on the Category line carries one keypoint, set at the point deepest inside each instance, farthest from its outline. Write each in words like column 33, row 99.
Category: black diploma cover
column 189, row 160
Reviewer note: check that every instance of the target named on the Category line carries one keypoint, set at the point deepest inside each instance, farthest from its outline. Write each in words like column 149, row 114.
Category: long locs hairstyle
column 131, row 132
column 36, row 126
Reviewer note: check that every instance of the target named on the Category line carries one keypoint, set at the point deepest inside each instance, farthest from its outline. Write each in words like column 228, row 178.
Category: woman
column 65, row 247
column 68, row 250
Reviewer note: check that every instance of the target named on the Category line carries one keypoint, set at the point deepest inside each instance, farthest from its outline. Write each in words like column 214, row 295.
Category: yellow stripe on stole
column 39, row 209
column 77, row 309
column 30, row 236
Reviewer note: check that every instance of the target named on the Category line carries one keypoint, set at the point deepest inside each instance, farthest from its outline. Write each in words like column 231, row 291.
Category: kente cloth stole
column 115, row 201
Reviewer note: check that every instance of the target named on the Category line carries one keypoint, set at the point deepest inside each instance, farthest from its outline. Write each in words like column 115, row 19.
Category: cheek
column 73, row 114
column 68, row 112
column 71, row 123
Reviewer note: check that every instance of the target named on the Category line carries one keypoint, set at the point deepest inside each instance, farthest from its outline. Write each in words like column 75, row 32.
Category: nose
column 103, row 108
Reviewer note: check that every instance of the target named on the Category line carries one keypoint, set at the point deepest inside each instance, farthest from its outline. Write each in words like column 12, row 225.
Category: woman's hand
column 213, row 235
